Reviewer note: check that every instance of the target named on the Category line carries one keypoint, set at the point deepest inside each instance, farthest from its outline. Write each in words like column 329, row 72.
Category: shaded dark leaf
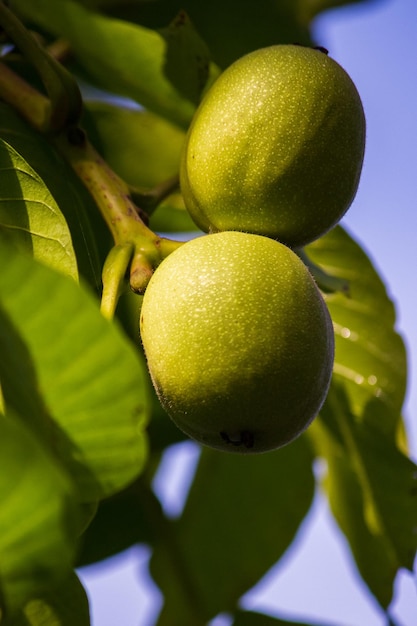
column 65, row 604
column 371, row 487
column 241, row 515
column 120, row 522
column 187, row 58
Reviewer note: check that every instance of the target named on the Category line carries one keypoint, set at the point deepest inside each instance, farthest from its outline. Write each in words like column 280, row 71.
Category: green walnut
column 239, row 341
column 276, row 146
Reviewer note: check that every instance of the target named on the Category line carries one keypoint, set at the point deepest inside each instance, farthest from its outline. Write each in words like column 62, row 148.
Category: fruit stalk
column 112, row 196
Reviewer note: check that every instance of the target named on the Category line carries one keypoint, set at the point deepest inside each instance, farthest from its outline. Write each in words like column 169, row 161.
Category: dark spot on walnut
column 246, row 438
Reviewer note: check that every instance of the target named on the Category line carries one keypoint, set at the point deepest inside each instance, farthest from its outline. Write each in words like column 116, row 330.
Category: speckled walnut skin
column 276, row 147
column 239, row 341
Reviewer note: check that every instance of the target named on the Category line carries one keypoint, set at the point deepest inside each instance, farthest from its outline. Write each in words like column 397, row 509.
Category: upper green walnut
column 276, row 146
column 239, row 341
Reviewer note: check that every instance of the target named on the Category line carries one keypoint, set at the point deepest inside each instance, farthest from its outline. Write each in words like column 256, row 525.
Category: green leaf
column 229, row 29
column 38, row 516
column 29, row 215
column 232, row 30
column 21, row 392
column 370, row 480
column 72, row 198
column 62, row 605
column 144, row 149
column 118, row 56
column 241, row 515
column 92, row 384
column 120, row 522
column 171, row 216
column 187, row 59
column 371, row 487
column 19, row 379
column 370, row 359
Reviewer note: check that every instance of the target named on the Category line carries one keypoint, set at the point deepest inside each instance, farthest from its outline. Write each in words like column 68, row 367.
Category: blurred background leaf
column 64, row 604
column 229, row 33
column 241, row 515
column 144, row 149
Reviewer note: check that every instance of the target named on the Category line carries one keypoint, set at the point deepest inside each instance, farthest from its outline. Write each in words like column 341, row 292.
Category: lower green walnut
column 239, row 341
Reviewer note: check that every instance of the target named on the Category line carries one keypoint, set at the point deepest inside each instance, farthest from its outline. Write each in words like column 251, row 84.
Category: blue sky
column 377, row 45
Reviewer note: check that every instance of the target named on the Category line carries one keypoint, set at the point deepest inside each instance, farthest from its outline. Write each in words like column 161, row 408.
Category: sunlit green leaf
column 20, row 391
column 90, row 378
column 38, row 516
column 73, row 200
column 30, row 217
column 370, row 357
column 241, row 515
